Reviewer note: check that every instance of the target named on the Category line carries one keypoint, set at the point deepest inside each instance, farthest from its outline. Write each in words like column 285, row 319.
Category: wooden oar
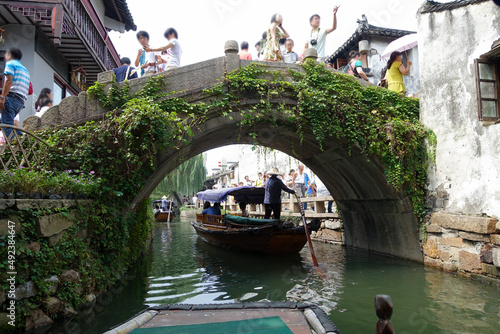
column 169, row 210
column 315, row 262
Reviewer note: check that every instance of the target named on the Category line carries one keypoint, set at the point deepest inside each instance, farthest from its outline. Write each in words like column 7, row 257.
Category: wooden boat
column 267, row 236
column 164, row 210
column 268, row 317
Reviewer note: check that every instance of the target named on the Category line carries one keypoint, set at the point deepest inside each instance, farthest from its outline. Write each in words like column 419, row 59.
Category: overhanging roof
column 434, row 6
column 494, row 52
column 118, row 10
column 364, row 31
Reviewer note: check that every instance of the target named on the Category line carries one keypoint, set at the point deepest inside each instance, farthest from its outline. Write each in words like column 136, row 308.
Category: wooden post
column 383, row 308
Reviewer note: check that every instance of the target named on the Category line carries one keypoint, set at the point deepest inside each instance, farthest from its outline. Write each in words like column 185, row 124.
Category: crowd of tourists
column 275, row 45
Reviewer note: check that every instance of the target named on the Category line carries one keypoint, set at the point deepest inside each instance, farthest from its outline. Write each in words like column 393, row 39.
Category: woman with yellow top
column 395, row 72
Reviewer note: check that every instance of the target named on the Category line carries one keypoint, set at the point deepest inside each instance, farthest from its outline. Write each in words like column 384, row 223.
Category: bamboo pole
column 301, row 207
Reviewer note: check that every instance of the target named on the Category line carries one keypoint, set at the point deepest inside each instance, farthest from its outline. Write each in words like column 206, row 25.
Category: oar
column 169, row 210
column 315, row 262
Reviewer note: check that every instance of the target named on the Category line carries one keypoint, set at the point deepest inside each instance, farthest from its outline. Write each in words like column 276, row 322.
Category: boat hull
column 267, row 240
column 164, row 217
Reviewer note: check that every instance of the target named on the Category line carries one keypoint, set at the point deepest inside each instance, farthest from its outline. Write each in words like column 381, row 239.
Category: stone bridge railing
column 189, row 81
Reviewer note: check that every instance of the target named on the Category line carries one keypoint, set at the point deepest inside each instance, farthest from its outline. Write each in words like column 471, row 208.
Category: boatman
column 272, row 198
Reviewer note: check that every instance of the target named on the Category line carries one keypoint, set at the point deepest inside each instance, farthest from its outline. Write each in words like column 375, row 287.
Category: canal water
column 181, row 268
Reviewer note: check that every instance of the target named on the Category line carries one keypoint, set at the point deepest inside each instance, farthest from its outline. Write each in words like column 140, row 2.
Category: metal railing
column 19, row 148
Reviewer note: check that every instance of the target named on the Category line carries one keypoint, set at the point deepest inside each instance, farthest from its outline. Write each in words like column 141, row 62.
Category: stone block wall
column 469, row 245
column 330, row 231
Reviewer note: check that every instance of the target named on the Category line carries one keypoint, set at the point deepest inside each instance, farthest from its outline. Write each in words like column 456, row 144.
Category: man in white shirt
column 173, row 48
column 317, row 38
column 145, row 60
column 289, row 56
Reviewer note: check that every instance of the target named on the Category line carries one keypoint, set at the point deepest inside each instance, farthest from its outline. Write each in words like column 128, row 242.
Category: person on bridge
column 289, row 56
column 395, row 72
column 272, row 196
column 276, row 32
column 145, row 60
column 15, row 88
column 125, row 72
column 173, row 48
column 317, row 38
column 244, row 54
column 355, row 67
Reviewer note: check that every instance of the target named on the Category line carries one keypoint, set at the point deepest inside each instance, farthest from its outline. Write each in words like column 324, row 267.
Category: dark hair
column 291, row 171
column 264, row 35
column 217, row 205
column 392, row 59
column 289, row 39
column 125, row 61
column 258, row 43
column 15, row 53
column 260, row 173
column 244, row 45
column 273, row 18
column 206, row 205
column 312, row 17
column 242, row 205
column 43, row 94
column 282, row 41
column 353, row 54
column 45, row 102
column 142, row 33
column 169, row 32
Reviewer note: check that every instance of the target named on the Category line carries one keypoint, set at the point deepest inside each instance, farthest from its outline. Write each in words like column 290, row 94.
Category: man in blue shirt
column 125, row 72
column 211, row 210
column 15, row 88
column 272, row 197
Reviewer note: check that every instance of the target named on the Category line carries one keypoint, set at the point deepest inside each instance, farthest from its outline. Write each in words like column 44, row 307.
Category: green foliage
column 187, row 179
column 30, row 181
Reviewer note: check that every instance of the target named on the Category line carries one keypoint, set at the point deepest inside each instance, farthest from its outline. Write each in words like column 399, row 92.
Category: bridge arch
column 376, row 216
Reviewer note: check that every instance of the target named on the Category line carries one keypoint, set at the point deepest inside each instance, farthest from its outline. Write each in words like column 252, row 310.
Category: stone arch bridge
column 376, row 216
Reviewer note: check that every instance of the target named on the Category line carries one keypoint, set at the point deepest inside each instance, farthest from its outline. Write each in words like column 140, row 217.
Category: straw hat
column 164, row 197
column 273, row 171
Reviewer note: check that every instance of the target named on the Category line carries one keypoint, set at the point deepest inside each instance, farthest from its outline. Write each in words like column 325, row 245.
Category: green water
column 181, row 268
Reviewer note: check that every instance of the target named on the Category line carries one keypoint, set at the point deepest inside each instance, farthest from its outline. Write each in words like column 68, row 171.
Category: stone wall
column 469, row 245
column 466, row 177
column 50, row 227
column 330, row 231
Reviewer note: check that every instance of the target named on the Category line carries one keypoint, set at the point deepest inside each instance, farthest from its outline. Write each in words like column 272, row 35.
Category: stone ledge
column 436, row 263
column 495, row 239
column 433, row 228
column 478, row 225
column 474, row 236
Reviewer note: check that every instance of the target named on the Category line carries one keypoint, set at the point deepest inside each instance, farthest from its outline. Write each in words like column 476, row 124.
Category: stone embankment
column 469, row 245
column 330, row 231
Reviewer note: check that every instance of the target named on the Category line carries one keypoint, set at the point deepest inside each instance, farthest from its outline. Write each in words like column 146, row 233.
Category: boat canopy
column 245, row 194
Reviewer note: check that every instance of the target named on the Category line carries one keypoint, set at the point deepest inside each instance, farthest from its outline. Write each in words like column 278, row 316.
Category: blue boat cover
column 245, row 194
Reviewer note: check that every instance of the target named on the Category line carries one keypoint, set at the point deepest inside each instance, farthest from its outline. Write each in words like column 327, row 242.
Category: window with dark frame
column 488, row 89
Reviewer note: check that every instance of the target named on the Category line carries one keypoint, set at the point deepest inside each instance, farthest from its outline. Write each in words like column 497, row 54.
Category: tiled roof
column 366, row 30
column 118, row 10
column 434, row 6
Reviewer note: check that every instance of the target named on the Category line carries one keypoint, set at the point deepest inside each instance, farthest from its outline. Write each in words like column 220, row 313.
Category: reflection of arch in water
column 241, row 273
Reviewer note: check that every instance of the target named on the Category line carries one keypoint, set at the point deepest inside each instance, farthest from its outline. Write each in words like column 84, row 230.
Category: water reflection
column 182, row 268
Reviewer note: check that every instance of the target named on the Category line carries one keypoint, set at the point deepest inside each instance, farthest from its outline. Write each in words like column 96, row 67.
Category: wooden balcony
column 73, row 27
